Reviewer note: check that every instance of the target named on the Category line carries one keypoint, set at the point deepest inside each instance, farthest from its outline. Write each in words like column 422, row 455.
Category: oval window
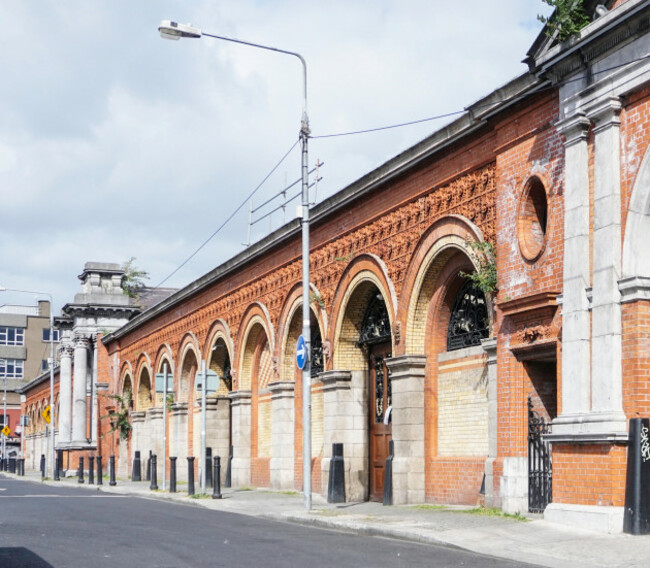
column 532, row 220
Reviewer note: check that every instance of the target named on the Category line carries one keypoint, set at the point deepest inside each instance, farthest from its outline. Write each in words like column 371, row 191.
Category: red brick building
column 552, row 170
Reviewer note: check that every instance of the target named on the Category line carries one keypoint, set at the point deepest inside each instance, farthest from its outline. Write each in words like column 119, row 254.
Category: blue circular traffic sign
column 301, row 353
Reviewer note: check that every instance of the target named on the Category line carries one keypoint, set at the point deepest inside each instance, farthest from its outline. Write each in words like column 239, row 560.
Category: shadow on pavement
column 20, row 557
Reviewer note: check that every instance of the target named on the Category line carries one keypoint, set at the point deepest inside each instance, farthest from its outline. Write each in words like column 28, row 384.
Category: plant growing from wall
column 119, row 418
column 133, row 279
column 568, row 18
column 484, row 276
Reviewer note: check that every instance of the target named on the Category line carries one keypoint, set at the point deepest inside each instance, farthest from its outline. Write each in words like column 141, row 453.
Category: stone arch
column 365, row 276
column 636, row 253
column 144, row 397
column 189, row 356
column 444, row 240
column 290, row 328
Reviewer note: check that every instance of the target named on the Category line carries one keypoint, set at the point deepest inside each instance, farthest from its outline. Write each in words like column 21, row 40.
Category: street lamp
column 173, row 30
column 52, row 406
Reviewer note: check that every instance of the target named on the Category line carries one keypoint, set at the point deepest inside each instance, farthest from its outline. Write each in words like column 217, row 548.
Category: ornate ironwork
column 383, row 388
column 376, row 323
column 540, row 467
column 317, row 359
column 469, row 322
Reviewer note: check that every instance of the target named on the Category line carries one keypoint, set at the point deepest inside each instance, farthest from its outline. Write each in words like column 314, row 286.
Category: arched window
column 376, row 323
column 469, row 322
column 317, row 361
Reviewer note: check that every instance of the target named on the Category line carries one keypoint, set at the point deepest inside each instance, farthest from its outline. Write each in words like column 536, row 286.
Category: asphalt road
column 58, row 527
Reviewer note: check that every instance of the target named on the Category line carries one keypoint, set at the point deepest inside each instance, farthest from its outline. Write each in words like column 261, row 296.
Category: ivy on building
column 568, row 18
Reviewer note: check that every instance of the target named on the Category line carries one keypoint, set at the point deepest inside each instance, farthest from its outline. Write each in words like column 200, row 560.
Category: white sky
column 115, row 143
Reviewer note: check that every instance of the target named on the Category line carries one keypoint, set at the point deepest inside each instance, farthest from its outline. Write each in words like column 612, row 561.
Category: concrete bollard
column 136, row 474
column 172, row 474
column 154, row 472
column 91, row 470
column 216, row 475
column 111, row 471
column 100, row 473
column 190, row 476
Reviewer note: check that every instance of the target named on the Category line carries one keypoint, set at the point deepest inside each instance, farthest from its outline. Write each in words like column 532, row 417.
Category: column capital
column 65, row 349
column 81, row 341
column 574, row 129
column 605, row 113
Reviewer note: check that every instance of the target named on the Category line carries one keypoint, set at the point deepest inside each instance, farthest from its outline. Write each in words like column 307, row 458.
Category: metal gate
column 540, row 474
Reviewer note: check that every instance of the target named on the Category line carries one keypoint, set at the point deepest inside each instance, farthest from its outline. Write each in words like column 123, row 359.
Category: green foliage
column 484, row 257
column 568, row 18
column 317, row 299
column 120, row 419
column 133, row 279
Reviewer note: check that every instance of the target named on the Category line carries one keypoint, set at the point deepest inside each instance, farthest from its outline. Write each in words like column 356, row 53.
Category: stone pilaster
column 65, row 395
column 407, row 380
column 79, row 390
column 490, row 348
column 240, row 404
column 218, row 429
column 576, row 324
column 282, row 460
column 178, row 439
column 155, row 422
column 138, row 433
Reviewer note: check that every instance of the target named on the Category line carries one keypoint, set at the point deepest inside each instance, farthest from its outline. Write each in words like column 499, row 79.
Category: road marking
column 50, row 496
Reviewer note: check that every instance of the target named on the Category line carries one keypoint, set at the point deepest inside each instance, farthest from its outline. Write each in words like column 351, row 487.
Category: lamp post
column 52, row 408
column 174, row 31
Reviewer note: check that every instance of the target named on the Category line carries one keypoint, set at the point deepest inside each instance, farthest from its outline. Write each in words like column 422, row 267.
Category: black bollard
column 388, row 475
column 12, row 465
column 42, row 466
column 636, row 515
column 216, row 475
column 148, row 474
column 136, row 474
column 111, row 471
column 22, row 467
column 228, row 482
column 208, row 467
column 59, row 457
column 57, row 477
column 81, row 470
column 100, row 473
column 172, row 475
column 91, row 470
column 154, row 472
column 336, row 482
column 190, row 476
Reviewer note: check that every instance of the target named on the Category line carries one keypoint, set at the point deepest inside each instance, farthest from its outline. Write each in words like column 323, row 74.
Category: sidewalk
column 531, row 540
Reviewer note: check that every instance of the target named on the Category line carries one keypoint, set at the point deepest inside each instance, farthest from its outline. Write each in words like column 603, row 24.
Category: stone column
column 138, row 435
column 240, row 406
column 407, row 383
column 217, row 435
column 576, row 324
column 178, row 438
column 80, row 381
column 345, row 420
column 490, row 348
column 607, row 375
column 65, row 395
column 154, row 418
column 282, row 460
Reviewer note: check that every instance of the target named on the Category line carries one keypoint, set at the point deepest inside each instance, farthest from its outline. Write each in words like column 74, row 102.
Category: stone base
column 589, row 517
column 514, row 485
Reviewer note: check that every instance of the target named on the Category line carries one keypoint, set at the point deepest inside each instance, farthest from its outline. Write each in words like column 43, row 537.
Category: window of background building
column 46, row 334
column 12, row 368
column 44, row 365
column 12, row 335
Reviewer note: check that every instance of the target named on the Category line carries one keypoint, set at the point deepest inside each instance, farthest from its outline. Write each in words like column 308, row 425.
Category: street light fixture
column 52, row 406
column 173, row 30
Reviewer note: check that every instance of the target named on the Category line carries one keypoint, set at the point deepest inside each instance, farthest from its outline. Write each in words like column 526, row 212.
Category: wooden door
column 380, row 419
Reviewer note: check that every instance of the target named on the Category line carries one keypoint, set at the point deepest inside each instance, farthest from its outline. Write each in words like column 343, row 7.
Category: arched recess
column 444, row 240
column 164, row 362
column 256, row 324
column 126, row 392
column 189, row 356
column 219, row 353
column 364, row 278
column 144, row 397
column 636, row 253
